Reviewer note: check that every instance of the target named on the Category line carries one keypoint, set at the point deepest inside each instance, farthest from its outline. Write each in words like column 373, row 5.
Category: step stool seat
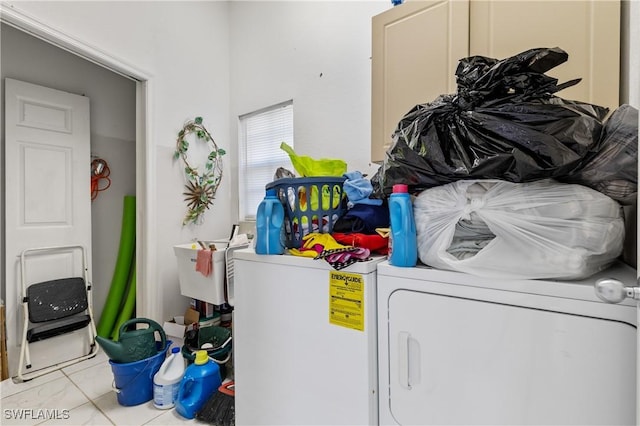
column 53, row 328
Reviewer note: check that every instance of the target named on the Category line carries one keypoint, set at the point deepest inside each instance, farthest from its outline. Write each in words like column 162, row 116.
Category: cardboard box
column 175, row 331
column 191, row 316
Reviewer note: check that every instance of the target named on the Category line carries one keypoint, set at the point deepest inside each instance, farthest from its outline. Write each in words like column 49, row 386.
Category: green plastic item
column 134, row 344
column 128, row 308
column 308, row 167
column 215, row 340
column 120, row 278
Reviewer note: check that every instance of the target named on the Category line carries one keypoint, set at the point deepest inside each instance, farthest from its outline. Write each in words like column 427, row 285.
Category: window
column 261, row 133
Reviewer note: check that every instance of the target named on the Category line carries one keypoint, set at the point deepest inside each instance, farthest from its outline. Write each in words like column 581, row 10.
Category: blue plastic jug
column 403, row 244
column 200, row 381
column 269, row 225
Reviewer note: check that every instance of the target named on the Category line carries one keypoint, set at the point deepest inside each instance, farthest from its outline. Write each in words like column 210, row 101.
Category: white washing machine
column 304, row 341
column 459, row 349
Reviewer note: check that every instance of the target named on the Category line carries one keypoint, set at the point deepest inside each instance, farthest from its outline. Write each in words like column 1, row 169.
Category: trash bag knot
column 472, row 205
column 467, row 100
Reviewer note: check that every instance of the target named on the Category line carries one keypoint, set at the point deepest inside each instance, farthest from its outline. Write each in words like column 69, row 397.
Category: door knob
column 613, row 291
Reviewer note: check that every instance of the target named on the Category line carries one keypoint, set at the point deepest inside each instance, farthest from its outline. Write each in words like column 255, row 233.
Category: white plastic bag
column 534, row 230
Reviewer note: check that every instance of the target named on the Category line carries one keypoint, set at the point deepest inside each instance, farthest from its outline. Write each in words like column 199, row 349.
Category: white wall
column 318, row 54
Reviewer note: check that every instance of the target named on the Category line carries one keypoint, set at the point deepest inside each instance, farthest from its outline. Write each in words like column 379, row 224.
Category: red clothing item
column 374, row 242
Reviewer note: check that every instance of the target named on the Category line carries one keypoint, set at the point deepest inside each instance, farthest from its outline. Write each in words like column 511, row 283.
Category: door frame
column 147, row 303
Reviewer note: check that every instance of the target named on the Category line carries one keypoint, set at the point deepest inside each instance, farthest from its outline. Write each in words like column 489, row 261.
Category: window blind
column 261, row 133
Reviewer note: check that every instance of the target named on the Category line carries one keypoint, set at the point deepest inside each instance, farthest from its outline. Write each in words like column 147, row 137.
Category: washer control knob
column 613, row 291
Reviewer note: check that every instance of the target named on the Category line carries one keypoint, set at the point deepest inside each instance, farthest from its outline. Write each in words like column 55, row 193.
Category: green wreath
column 201, row 187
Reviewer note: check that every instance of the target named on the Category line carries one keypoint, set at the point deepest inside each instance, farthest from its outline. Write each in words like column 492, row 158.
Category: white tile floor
column 80, row 394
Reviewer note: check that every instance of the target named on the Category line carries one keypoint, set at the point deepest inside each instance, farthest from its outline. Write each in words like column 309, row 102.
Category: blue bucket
column 133, row 381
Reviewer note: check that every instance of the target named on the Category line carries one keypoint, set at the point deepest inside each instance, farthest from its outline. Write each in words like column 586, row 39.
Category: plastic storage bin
column 312, row 204
column 193, row 283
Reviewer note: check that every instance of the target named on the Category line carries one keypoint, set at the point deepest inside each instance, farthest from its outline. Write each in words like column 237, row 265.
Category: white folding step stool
column 55, row 307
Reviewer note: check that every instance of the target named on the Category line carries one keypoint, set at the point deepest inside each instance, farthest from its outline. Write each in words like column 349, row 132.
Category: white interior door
column 47, row 199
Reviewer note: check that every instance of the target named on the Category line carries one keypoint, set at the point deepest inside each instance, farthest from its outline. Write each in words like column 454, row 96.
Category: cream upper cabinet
column 415, row 52
column 589, row 31
column 416, row 47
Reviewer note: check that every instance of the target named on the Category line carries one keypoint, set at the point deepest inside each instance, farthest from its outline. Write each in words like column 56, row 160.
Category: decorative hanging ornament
column 201, row 187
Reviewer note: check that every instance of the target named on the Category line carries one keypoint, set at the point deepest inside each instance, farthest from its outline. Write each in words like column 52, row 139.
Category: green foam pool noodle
column 125, row 258
column 126, row 313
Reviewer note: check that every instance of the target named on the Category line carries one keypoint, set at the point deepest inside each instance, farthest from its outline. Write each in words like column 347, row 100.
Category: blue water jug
column 200, row 381
column 269, row 225
column 403, row 244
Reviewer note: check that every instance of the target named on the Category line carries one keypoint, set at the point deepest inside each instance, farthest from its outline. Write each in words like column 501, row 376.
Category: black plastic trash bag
column 613, row 169
column 504, row 122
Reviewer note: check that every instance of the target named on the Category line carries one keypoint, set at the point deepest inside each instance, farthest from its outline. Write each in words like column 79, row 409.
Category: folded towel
column 204, row 262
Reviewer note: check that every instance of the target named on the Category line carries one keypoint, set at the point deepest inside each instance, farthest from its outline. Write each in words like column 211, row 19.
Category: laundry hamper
column 311, row 204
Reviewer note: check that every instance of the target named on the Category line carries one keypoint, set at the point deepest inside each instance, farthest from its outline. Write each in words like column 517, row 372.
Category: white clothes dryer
column 460, row 349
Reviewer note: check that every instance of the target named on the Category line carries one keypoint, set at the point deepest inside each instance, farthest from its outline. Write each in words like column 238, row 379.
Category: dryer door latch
column 613, row 291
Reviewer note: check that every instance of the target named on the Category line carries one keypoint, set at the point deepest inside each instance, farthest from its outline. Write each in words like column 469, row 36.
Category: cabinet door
column 588, row 30
column 416, row 47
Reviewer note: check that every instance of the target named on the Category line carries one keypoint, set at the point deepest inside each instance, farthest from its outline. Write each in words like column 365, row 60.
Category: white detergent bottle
column 166, row 381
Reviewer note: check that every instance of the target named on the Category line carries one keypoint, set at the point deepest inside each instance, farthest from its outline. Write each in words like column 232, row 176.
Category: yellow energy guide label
column 346, row 300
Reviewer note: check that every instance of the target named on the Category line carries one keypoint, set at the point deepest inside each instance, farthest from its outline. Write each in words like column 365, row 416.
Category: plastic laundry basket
column 312, row 204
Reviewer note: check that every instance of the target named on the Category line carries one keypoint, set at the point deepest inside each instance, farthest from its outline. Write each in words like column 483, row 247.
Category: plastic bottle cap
column 271, row 192
column 201, row 358
column 400, row 188
column 175, row 350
